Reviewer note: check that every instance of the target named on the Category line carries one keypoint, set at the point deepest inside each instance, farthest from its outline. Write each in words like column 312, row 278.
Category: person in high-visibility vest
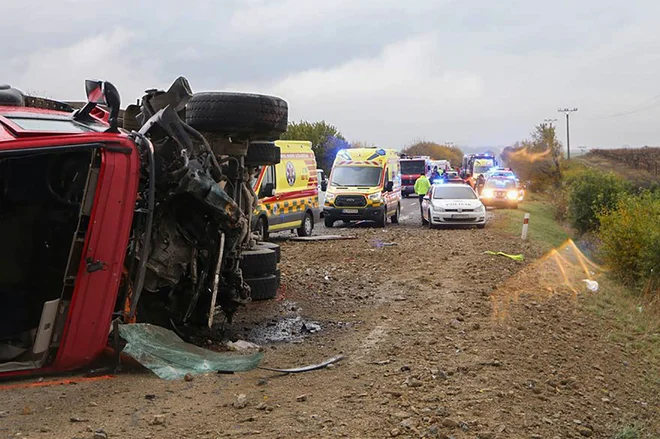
column 422, row 186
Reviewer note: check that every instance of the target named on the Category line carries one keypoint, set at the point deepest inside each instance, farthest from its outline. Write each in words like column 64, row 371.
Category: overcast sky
column 474, row 72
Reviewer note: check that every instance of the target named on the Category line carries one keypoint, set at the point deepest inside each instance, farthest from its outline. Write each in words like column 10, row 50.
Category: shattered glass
column 164, row 353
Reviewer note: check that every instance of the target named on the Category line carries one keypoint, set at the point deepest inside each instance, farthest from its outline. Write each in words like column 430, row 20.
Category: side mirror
column 389, row 186
column 100, row 93
column 268, row 190
column 324, row 185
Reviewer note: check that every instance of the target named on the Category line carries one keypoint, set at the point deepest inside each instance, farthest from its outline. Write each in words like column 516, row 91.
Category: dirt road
column 426, row 356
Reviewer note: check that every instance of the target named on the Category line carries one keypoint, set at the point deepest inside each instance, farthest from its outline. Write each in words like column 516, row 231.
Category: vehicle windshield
column 501, row 184
column 413, row 167
column 453, row 193
column 366, row 176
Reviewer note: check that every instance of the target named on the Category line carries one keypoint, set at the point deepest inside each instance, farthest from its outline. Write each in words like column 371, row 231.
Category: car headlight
column 512, row 195
column 376, row 196
column 329, row 198
column 480, row 208
column 438, row 208
column 488, row 193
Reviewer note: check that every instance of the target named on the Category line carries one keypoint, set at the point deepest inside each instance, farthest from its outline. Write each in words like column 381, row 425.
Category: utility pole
column 567, row 112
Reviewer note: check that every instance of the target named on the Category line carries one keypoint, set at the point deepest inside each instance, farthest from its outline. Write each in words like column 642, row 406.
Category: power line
column 567, row 112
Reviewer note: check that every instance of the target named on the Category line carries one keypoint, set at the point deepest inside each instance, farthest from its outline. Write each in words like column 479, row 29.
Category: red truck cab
column 67, row 196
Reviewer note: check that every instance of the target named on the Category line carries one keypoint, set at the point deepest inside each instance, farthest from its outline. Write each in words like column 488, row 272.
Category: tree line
column 327, row 140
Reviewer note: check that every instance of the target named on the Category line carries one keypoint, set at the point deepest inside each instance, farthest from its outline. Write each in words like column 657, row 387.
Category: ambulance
column 365, row 184
column 287, row 192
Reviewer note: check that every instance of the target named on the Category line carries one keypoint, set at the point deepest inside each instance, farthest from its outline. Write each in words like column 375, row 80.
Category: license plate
column 460, row 215
column 350, row 211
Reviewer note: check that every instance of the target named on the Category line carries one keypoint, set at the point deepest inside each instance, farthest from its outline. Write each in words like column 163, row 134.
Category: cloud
column 60, row 73
column 407, row 83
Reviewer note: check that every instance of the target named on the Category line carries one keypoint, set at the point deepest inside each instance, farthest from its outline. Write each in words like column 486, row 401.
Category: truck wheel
column 264, row 287
column 270, row 246
column 242, row 115
column 259, row 262
column 328, row 222
column 262, row 229
column 261, row 154
column 395, row 217
column 307, row 226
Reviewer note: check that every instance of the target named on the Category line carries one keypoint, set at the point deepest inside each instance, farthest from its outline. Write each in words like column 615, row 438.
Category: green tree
column 537, row 159
column 326, row 140
column 436, row 151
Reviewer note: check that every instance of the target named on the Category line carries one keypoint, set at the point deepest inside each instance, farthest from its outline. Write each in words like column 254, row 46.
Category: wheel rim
column 308, row 225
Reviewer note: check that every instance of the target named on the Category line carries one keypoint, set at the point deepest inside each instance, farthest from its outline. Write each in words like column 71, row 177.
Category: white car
column 453, row 204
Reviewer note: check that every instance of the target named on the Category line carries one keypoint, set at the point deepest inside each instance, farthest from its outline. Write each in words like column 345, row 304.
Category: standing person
column 421, row 187
column 481, row 181
column 435, row 175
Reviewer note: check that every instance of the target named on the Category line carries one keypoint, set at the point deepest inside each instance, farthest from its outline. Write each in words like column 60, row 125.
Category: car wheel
column 424, row 221
column 258, row 262
column 382, row 221
column 307, row 226
column 395, row 217
column 328, row 222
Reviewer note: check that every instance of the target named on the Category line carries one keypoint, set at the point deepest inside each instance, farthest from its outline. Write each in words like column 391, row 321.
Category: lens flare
column 559, row 272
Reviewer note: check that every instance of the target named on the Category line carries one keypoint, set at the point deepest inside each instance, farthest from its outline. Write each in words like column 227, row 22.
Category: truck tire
column 258, row 262
column 238, row 114
column 262, row 228
column 328, row 222
column 262, row 154
column 264, row 287
column 271, row 246
column 307, row 226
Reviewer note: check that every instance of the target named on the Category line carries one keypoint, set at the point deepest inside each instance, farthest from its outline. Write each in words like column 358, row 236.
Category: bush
column 630, row 239
column 591, row 192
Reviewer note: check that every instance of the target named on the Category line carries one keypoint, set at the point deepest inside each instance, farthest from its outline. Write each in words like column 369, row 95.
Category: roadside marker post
column 525, row 225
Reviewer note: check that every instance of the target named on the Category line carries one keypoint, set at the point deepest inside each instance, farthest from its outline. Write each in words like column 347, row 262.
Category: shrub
column 591, row 192
column 630, row 239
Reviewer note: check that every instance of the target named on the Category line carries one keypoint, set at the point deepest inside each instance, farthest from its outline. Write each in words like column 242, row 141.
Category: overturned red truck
column 148, row 221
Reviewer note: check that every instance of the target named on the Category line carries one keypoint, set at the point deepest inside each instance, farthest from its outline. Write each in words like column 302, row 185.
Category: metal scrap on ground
column 306, row 368
column 322, row 238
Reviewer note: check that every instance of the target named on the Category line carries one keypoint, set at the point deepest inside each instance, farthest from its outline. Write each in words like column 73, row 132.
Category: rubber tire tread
column 264, row 287
column 260, row 154
column 259, row 262
column 271, row 246
column 238, row 114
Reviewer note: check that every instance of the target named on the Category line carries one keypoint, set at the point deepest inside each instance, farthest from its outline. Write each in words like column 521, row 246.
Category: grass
column 634, row 321
column 543, row 229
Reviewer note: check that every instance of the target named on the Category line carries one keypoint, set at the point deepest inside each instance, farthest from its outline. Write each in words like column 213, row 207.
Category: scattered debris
column 301, row 398
column 188, row 377
column 242, row 345
column 158, row 420
column 241, row 401
column 307, row 368
column 322, row 238
column 77, row 419
column 519, row 257
column 169, row 357
column 592, row 285
column 100, row 434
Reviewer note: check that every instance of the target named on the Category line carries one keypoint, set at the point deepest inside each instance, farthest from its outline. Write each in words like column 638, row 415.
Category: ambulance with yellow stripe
column 287, row 192
column 365, row 184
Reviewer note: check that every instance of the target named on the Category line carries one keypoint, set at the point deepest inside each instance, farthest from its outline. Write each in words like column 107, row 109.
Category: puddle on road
column 284, row 329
